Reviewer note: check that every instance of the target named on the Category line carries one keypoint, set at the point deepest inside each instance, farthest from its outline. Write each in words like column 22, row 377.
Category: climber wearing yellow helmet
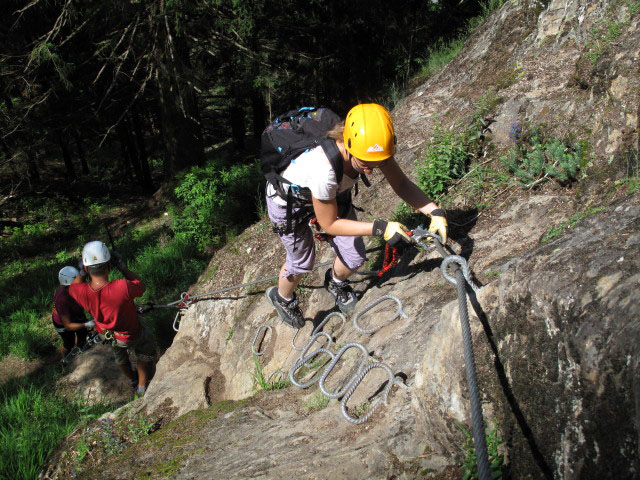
column 365, row 141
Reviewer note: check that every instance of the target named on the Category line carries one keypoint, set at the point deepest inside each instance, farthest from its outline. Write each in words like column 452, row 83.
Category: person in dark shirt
column 67, row 316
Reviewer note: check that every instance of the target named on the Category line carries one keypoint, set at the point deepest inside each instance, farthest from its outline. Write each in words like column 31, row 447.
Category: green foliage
column 32, row 422
column 439, row 56
column 445, row 159
column 277, row 381
column 555, row 231
column 45, row 53
column 632, row 174
column 496, row 459
column 534, row 160
column 443, row 50
column 316, row 401
column 213, row 201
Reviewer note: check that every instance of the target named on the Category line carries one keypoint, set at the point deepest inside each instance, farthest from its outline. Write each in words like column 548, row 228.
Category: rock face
column 564, row 331
column 555, row 327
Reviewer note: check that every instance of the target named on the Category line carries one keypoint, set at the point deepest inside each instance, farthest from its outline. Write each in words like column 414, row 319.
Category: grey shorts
column 143, row 347
column 301, row 250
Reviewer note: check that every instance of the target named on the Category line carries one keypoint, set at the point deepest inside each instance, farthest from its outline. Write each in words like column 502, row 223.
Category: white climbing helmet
column 95, row 253
column 67, row 274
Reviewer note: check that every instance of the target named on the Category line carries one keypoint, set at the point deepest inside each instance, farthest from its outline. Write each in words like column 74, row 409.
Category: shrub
column 445, row 160
column 534, row 160
column 213, row 201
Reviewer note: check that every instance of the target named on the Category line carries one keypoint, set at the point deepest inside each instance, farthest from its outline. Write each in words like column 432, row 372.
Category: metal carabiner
column 176, row 321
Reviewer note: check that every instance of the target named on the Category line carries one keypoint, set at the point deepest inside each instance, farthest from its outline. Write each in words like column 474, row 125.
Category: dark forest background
column 136, row 91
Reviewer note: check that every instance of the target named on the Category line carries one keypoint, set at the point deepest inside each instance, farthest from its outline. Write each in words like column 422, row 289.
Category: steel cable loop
column 462, row 263
column 303, row 361
column 333, row 363
column 326, row 320
column 399, row 313
column 354, row 384
column 470, row 366
column 266, row 328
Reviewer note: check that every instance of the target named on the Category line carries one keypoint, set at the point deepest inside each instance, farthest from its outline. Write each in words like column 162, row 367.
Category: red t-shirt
column 112, row 306
column 63, row 304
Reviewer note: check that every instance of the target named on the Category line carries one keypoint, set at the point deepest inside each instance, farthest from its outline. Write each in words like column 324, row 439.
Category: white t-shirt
column 313, row 170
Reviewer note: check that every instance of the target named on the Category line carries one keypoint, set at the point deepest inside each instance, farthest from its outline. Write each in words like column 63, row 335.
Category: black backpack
column 290, row 135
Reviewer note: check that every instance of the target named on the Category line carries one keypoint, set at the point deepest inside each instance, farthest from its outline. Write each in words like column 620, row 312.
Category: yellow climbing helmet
column 368, row 133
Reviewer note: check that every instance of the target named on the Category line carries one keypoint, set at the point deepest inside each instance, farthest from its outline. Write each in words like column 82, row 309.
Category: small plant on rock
column 496, row 459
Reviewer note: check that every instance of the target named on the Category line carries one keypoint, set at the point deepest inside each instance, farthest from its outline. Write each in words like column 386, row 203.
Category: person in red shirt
column 111, row 303
column 67, row 316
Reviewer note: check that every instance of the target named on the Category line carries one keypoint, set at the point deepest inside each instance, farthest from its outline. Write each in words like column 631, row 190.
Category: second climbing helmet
column 368, row 133
column 66, row 275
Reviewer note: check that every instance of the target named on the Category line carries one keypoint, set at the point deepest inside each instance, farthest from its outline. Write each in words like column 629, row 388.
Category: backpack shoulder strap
column 332, row 152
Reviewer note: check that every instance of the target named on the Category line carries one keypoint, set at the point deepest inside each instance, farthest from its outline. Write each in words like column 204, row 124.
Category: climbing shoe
column 341, row 291
column 288, row 311
column 140, row 391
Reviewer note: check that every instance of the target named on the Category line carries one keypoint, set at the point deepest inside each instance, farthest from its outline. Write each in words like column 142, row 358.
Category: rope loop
column 265, row 329
column 333, row 363
column 354, row 384
column 399, row 313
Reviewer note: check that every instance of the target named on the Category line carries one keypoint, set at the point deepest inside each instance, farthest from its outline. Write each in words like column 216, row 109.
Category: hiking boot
column 289, row 312
column 140, row 391
column 341, row 291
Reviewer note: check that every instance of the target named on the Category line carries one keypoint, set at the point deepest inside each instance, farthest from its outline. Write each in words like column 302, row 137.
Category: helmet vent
column 349, row 143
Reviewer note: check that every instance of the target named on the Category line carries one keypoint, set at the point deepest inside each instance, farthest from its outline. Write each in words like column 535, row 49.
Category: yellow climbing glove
column 394, row 233
column 438, row 224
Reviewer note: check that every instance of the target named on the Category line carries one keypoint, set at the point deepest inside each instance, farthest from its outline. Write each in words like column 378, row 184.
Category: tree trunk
column 143, row 158
column 259, row 114
column 81, row 154
column 32, row 166
column 126, row 151
column 236, row 117
column 66, row 156
column 179, row 107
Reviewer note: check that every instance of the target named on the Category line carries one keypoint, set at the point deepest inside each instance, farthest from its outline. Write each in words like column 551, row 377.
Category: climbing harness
column 75, row 351
column 399, row 313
